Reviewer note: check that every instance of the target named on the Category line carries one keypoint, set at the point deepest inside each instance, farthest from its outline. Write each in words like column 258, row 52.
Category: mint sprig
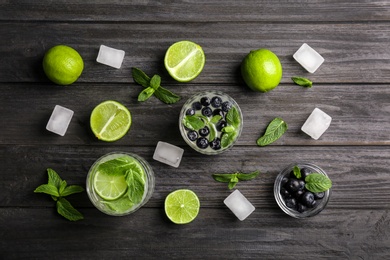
column 152, row 87
column 303, row 82
column 316, row 182
column 230, row 131
column 58, row 189
column 233, row 178
column 276, row 128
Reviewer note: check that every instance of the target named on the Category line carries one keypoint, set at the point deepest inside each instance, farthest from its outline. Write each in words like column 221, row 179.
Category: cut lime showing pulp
column 184, row 60
column 110, row 121
column 120, row 205
column 182, row 206
column 109, row 186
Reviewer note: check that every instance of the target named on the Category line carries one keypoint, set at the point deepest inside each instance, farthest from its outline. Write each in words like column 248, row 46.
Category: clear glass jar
column 103, row 204
column 212, row 147
column 321, row 203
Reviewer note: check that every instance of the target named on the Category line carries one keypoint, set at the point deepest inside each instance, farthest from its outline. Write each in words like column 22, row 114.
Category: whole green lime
column 62, row 64
column 261, row 70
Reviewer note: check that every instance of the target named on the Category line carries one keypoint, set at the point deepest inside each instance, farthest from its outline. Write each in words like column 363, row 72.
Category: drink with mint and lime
column 120, row 183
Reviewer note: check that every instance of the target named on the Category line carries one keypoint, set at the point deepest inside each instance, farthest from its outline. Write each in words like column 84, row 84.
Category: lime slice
column 109, row 186
column 110, row 121
column 120, row 205
column 182, row 206
column 184, row 60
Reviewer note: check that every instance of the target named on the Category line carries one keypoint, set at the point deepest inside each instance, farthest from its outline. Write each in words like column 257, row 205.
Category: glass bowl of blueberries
column 210, row 122
column 302, row 190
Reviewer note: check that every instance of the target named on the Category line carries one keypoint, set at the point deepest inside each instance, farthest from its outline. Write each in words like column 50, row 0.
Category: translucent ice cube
column 308, row 58
column 317, row 123
column 168, row 154
column 59, row 120
column 110, row 56
column 239, row 205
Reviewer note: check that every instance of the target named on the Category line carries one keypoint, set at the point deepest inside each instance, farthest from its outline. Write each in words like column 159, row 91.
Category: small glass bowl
column 100, row 203
column 189, row 104
column 310, row 212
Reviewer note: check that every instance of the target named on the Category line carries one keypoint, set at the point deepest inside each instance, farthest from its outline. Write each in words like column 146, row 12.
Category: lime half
column 184, row 60
column 182, row 206
column 109, row 186
column 110, row 121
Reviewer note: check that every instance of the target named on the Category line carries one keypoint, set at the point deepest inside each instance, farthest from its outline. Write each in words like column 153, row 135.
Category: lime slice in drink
column 182, row 206
column 120, row 205
column 110, row 121
column 184, row 60
column 109, row 186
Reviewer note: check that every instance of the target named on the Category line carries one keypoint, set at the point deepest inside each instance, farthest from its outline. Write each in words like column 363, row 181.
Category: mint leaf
column 49, row 189
column 166, row 96
column 222, row 177
column 248, row 176
column 213, row 132
column 304, row 82
column 297, row 172
column 54, row 178
column 228, row 129
column 234, row 178
column 233, row 117
column 228, row 138
column 155, row 82
column 115, row 166
column 136, row 186
column 140, row 77
column 215, row 119
column 65, row 209
column 146, row 94
column 317, row 182
column 62, row 187
column 71, row 189
column 194, row 122
column 274, row 131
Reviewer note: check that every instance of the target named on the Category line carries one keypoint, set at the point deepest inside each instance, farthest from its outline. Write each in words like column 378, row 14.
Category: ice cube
column 308, row 58
column 59, row 120
column 168, row 154
column 110, row 56
column 317, row 123
column 239, row 205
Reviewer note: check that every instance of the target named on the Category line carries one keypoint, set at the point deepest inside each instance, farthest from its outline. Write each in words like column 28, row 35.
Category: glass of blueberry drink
column 302, row 190
column 210, row 122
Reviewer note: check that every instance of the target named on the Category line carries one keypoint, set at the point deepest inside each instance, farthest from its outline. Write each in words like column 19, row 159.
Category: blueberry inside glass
column 210, row 122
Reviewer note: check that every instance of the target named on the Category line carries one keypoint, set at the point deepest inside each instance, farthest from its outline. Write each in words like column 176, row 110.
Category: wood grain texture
column 352, row 86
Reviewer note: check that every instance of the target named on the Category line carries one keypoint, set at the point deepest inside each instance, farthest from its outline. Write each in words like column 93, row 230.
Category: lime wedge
column 182, row 206
column 184, row 60
column 109, row 186
column 110, row 121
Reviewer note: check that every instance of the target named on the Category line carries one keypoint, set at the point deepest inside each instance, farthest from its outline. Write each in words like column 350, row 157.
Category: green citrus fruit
column 184, row 60
column 182, row 206
column 109, row 186
column 62, row 64
column 110, row 121
column 261, row 70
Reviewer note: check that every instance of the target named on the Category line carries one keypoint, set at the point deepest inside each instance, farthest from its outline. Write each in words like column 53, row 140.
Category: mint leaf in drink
column 317, row 182
column 215, row 119
column 136, row 186
column 166, row 96
column 233, row 117
column 228, row 129
column 146, row 94
column 140, row 77
column 297, row 172
column 65, row 209
column 58, row 189
column 117, row 166
column 213, row 131
column 234, row 178
column 274, row 131
column 194, row 122
column 228, row 138
column 304, row 82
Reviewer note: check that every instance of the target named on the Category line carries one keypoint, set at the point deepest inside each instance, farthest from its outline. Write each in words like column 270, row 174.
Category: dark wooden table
column 353, row 86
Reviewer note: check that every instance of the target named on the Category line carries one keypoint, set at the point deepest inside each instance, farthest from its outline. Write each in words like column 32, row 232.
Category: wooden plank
column 205, row 11
column 360, row 174
column 354, row 53
column 216, row 234
column 357, row 119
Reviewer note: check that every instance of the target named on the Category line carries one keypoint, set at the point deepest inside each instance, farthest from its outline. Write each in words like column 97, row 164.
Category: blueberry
column 216, row 101
column 215, row 144
column 301, row 184
column 308, row 199
column 220, row 125
column 202, row 143
column 291, row 202
column 192, row 135
column 284, row 181
column 205, row 101
column 196, row 105
column 298, row 194
column 285, row 194
column 319, row 195
column 190, row 112
column 292, row 185
column 206, row 111
column 226, row 106
column 304, row 173
column 301, row 208
column 204, row 131
column 218, row 112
